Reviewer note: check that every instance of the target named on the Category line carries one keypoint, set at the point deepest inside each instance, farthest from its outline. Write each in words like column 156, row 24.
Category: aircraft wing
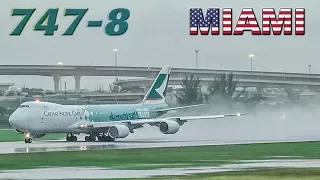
column 175, row 108
column 132, row 124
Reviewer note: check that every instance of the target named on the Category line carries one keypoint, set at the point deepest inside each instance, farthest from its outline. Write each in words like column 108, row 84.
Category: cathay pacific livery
column 103, row 122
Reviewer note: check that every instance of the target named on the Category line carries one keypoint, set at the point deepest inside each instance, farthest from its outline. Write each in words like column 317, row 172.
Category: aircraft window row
column 23, row 106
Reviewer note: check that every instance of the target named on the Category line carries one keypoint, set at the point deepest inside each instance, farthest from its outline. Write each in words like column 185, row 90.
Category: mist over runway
column 281, row 125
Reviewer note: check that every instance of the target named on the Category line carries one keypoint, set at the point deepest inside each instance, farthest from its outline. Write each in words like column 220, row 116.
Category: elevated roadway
column 56, row 71
column 142, row 82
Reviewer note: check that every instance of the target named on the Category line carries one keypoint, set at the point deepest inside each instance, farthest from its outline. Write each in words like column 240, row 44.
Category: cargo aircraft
column 104, row 122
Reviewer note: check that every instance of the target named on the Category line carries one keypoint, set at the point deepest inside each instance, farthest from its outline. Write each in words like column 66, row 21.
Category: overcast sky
column 158, row 34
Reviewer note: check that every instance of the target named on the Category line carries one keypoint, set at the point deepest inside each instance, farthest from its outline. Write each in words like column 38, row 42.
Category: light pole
column 309, row 68
column 116, row 70
column 251, row 56
column 196, row 58
column 60, row 64
column 65, row 91
column 284, row 75
column 20, row 91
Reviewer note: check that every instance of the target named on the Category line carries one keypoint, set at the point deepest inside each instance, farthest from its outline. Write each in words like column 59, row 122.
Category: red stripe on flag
column 247, row 22
column 300, row 21
column 227, row 21
column 193, row 32
column 277, row 23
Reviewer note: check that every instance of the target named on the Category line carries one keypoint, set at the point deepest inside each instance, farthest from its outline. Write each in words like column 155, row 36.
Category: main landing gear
column 27, row 138
column 71, row 137
column 101, row 138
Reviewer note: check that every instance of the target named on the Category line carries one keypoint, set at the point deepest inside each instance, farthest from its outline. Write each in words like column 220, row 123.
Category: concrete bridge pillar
column 56, row 84
column 77, row 84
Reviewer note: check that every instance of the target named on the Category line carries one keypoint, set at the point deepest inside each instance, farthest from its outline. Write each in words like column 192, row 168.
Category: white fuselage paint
column 45, row 117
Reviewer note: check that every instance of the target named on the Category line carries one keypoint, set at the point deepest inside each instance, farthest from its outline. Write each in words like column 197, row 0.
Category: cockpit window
column 23, row 106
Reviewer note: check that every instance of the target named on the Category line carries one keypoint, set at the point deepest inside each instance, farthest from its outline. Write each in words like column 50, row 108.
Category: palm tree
column 114, row 88
column 224, row 85
column 190, row 93
column 293, row 94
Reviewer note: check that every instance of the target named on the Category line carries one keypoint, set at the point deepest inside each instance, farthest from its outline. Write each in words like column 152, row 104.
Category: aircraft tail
column 157, row 92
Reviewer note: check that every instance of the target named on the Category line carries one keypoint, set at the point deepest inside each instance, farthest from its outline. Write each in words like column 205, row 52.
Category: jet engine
column 169, row 127
column 118, row 131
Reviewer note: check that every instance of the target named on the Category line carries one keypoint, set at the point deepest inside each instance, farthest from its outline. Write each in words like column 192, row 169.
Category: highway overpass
column 56, row 71
column 143, row 82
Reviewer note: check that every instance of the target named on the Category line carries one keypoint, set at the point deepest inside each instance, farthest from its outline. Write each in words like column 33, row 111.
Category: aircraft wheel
column 92, row 138
column 86, row 138
column 28, row 140
column 74, row 138
column 109, row 139
column 68, row 138
column 100, row 138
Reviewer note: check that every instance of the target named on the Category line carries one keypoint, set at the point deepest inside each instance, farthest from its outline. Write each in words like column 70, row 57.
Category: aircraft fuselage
column 46, row 117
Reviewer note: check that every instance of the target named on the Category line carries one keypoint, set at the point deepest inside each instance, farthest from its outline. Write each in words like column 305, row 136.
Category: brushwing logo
column 159, row 89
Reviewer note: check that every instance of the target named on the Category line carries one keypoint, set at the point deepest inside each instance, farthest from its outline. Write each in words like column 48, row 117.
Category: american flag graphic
column 283, row 22
column 300, row 19
column 272, row 22
column 227, row 21
column 211, row 20
column 247, row 22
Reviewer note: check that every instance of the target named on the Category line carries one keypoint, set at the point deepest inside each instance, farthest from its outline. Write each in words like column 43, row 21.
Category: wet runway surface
column 253, row 128
column 49, row 146
column 293, row 125
column 95, row 173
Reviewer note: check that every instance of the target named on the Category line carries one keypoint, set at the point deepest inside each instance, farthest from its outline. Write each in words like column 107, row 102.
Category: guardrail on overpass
column 126, row 71
column 143, row 82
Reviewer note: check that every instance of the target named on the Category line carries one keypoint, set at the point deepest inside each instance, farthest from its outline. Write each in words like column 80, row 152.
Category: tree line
column 221, row 89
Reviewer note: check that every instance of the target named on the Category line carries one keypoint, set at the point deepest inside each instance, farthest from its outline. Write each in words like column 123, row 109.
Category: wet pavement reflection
column 99, row 173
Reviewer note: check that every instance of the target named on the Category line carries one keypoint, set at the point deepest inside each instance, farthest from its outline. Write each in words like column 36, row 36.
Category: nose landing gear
column 27, row 138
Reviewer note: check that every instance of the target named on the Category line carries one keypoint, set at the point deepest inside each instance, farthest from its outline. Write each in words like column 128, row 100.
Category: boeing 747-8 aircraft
column 102, row 122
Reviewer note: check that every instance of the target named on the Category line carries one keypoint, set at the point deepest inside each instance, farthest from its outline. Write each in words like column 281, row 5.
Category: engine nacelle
column 118, row 131
column 169, row 127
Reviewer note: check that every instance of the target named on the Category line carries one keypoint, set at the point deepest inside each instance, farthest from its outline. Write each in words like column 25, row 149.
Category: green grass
column 138, row 158
column 8, row 135
column 262, row 174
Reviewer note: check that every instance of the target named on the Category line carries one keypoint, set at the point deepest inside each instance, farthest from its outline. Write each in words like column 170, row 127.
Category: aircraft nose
column 13, row 119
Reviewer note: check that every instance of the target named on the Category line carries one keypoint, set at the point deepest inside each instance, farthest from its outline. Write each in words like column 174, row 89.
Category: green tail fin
column 157, row 92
